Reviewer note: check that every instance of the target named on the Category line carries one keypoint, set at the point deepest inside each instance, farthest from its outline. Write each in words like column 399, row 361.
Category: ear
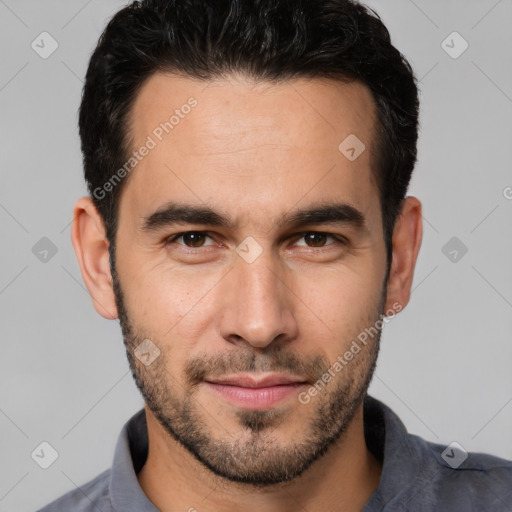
column 407, row 236
column 89, row 239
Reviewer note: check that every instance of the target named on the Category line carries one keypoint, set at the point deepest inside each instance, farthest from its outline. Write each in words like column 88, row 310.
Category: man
column 248, row 224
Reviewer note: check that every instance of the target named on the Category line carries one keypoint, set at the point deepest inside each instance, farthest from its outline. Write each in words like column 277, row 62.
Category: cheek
column 341, row 302
column 171, row 303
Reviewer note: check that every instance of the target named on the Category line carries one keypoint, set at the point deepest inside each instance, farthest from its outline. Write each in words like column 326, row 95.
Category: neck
column 343, row 479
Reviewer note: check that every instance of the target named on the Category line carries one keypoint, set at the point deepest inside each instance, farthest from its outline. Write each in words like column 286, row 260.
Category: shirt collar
column 130, row 455
column 407, row 465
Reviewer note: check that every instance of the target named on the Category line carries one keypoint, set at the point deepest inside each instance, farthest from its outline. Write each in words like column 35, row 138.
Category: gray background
column 445, row 363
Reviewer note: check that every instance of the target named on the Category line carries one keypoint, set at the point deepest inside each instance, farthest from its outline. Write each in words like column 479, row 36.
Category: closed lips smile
column 249, row 392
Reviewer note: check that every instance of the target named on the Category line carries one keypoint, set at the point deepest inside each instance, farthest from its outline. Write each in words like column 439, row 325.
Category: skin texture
column 253, row 152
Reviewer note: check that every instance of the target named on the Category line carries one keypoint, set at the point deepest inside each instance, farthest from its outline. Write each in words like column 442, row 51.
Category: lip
column 247, row 392
column 245, row 380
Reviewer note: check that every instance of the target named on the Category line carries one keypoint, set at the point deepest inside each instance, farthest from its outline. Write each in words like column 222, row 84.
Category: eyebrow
column 172, row 213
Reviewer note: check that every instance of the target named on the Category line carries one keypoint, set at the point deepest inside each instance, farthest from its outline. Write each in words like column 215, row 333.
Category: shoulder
column 89, row 497
column 480, row 480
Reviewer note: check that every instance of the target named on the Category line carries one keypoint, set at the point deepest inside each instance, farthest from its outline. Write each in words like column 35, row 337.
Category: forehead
column 318, row 104
column 276, row 142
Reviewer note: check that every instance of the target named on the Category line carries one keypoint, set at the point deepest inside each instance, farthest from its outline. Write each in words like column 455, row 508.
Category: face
column 247, row 287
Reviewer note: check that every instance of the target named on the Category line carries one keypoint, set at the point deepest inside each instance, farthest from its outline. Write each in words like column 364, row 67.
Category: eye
column 191, row 239
column 196, row 239
column 318, row 239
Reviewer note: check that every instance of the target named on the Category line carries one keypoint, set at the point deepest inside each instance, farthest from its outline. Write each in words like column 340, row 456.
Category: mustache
column 274, row 359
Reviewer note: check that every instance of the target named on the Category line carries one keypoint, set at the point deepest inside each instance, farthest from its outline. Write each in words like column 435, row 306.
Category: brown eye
column 315, row 239
column 192, row 239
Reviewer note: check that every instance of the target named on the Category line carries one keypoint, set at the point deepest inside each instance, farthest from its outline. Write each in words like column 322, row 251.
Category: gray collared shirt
column 417, row 475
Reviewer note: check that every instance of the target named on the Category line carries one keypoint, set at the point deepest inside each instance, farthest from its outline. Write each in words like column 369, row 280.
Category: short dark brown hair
column 271, row 40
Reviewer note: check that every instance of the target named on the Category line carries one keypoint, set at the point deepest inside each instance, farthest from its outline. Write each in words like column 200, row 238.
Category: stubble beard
column 255, row 457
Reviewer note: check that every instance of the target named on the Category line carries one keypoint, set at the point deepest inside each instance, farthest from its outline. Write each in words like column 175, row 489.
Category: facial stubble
column 254, row 457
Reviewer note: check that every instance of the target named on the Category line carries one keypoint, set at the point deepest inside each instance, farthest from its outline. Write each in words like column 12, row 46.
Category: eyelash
column 339, row 239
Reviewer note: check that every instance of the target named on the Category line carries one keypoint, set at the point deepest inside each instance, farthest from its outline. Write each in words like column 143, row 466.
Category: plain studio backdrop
column 445, row 362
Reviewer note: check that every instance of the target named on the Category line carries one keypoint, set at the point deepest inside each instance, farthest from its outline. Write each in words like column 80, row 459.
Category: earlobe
column 407, row 236
column 89, row 240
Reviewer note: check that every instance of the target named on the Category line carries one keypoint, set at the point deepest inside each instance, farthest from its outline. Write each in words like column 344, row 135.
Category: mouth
column 250, row 392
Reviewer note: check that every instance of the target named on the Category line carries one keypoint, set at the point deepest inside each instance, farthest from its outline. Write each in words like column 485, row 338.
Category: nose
column 257, row 306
